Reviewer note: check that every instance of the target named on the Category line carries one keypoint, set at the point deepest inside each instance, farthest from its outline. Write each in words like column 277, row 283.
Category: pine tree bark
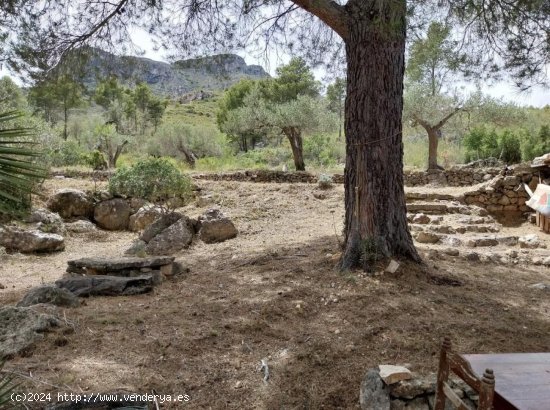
column 375, row 197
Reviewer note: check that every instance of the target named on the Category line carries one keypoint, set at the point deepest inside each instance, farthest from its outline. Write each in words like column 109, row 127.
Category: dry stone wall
column 504, row 193
column 452, row 177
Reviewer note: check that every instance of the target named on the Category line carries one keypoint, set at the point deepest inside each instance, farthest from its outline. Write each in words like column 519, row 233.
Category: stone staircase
column 116, row 276
column 442, row 224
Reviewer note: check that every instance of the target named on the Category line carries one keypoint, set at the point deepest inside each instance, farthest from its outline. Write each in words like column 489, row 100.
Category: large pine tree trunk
column 375, row 197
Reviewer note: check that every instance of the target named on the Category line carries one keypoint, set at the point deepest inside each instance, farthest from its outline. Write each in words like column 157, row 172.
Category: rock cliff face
column 181, row 77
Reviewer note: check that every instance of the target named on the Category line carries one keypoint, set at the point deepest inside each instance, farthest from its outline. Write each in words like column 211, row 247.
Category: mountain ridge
column 211, row 73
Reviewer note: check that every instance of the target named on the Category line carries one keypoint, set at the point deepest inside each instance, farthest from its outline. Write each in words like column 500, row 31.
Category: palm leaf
column 19, row 172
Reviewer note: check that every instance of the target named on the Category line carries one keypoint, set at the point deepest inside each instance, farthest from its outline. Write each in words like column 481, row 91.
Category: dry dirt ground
column 272, row 293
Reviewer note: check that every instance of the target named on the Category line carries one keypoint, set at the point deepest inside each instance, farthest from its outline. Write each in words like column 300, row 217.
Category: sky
column 538, row 96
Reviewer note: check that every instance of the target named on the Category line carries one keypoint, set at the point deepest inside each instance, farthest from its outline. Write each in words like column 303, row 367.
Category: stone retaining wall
column 452, row 177
column 503, row 193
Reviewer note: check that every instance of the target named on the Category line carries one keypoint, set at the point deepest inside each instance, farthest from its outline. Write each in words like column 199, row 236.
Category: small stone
column 427, row 237
column 392, row 267
column 393, row 374
column 472, row 256
column 529, row 241
column 546, row 261
column 421, row 219
column 451, row 251
column 540, row 286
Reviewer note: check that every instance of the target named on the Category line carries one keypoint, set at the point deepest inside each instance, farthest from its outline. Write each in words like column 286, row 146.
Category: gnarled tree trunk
column 433, row 142
column 295, row 139
column 375, row 197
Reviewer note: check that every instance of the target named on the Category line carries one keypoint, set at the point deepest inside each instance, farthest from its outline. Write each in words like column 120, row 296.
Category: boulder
column 105, row 285
column 51, row 295
column 216, row 227
column 44, row 216
column 144, row 217
column 69, row 203
column 82, row 226
column 159, row 225
column 137, row 248
column 18, row 240
column 172, row 239
column 21, row 328
column 113, row 214
column 374, row 395
column 47, row 221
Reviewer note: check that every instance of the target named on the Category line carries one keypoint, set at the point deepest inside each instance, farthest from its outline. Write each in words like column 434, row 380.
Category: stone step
column 448, row 229
column 442, row 208
column 431, row 196
column 105, row 285
column 530, row 242
column 122, row 266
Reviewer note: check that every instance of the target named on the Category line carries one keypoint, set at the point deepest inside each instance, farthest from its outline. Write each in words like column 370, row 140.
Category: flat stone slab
column 393, row 374
column 105, row 285
column 104, row 265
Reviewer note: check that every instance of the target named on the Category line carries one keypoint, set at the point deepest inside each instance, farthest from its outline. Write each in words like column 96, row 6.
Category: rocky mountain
column 181, row 77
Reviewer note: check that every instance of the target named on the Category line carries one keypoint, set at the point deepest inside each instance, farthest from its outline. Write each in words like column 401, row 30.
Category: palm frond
column 19, row 171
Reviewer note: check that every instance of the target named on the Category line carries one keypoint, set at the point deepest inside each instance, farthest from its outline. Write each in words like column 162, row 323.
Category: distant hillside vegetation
column 174, row 80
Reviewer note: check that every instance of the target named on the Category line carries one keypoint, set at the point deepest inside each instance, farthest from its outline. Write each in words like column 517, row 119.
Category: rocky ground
column 272, row 293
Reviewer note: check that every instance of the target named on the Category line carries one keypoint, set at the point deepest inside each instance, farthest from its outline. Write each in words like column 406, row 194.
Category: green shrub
column 325, row 181
column 510, row 148
column 65, row 153
column 96, row 160
column 154, row 179
column 535, row 145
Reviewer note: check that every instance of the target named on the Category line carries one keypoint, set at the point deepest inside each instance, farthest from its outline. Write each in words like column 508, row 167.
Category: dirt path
column 272, row 293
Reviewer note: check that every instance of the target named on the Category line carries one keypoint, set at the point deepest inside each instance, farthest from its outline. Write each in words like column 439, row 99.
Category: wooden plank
column 521, row 379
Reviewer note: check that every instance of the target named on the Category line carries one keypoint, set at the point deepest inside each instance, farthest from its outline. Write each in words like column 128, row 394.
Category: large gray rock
column 46, row 221
column 51, row 295
column 21, row 328
column 216, row 227
column 106, row 285
column 172, row 239
column 160, row 225
column 18, row 240
column 374, row 394
column 70, row 203
column 144, row 217
column 44, row 216
column 113, row 214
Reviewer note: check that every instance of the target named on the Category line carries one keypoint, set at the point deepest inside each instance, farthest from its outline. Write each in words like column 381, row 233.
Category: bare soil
column 273, row 293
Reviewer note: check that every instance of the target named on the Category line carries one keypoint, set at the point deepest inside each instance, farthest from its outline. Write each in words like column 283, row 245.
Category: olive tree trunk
column 375, row 197
column 294, row 136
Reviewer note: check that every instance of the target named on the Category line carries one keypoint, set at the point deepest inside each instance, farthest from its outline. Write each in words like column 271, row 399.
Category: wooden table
column 522, row 380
